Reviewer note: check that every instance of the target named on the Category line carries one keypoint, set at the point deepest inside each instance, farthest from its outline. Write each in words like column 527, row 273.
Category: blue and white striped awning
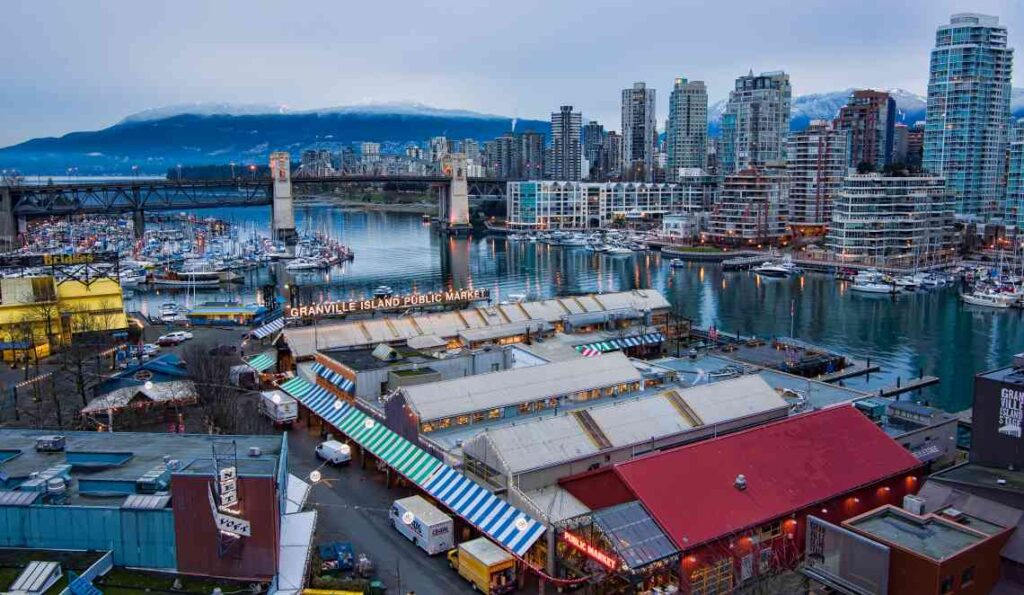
column 333, row 377
column 263, row 361
column 620, row 343
column 501, row 522
column 269, row 328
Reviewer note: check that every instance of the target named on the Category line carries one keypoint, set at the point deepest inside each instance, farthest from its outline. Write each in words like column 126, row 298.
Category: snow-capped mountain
column 400, row 108
column 205, row 109
column 825, row 106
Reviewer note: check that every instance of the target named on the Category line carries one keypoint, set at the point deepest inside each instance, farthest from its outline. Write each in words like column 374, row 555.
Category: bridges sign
column 414, row 300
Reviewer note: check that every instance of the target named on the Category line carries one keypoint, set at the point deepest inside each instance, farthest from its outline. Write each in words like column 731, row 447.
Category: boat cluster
column 992, row 287
column 613, row 243
column 874, row 281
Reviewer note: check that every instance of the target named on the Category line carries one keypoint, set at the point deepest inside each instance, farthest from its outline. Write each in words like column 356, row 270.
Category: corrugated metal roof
column 11, row 498
column 551, row 441
column 305, row 341
column 146, row 502
column 788, row 465
column 438, row 400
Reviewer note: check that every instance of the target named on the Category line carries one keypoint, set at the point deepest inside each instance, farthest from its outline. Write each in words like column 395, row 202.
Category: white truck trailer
column 423, row 524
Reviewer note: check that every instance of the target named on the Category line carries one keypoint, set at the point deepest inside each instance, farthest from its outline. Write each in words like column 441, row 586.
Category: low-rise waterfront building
column 575, row 205
column 892, row 221
column 927, row 432
column 753, row 209
column 507, row 323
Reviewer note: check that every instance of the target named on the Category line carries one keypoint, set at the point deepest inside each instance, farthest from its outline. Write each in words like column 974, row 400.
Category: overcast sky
column 85, row 64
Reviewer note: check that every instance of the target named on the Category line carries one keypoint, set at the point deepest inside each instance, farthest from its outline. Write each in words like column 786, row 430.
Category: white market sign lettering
column 414, row 300
column 226, row 501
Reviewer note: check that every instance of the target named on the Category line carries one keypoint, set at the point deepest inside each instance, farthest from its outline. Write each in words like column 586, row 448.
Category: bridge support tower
column 282, row 206
column 453, row 199
column 8, row 223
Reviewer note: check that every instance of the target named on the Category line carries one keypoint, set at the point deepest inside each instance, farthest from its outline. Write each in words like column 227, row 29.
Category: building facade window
column 713, row 579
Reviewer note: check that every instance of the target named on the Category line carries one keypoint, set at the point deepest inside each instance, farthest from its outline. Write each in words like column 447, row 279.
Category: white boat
column 576, row 240
column 872, row 281
column 988, row 299
column 677, row 263
column 303, row 263
column 907, row 282
column 131, row 278
column 383, row 291
column 185, row 280
column 774, row 270
column 617, row 251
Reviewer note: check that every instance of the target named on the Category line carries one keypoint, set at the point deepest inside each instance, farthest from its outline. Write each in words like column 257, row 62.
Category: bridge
column 18, row 203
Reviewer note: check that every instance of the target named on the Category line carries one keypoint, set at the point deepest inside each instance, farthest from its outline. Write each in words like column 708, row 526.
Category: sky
column 86, row 64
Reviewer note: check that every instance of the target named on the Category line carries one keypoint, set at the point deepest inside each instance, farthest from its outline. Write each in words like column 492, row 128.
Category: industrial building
column 892, row 221
column 472, row 327
column 188, row 503
column 735, row 508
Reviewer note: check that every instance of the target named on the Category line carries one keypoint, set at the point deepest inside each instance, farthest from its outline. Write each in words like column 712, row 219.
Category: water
column 906, row 334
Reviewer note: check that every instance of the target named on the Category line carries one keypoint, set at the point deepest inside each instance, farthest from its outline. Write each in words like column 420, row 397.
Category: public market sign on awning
column 333, row 377
column 501, row 522
column 599, row 347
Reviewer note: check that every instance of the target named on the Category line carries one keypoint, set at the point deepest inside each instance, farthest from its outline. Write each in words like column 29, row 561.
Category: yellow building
column 38, row 315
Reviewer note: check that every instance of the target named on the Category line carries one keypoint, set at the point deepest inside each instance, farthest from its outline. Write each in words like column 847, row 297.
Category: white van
column 423, row 524
column 279, row 407
column 334, row 452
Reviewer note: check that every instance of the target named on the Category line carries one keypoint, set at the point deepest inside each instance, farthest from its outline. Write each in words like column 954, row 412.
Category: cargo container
column 491, row 569
column 279, row 407
column 424, row 524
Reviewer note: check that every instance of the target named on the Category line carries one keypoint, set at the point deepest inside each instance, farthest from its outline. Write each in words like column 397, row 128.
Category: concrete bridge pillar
column 139, row 223
column 8, row 223
column 453, row 207
column 283, row 208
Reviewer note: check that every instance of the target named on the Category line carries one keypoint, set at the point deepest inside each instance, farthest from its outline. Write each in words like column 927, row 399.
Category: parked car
column 173, row 338
column 334, row 452
column 150, row 349
column 224, row 350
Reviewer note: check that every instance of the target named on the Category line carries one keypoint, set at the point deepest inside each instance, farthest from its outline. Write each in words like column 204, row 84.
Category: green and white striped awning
column 263, row 361
column 620, row 343
column 499, row 520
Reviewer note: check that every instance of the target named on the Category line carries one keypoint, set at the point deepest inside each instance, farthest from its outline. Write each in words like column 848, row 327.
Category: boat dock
column 905, row 387
column 743, row 263
column 854, row 367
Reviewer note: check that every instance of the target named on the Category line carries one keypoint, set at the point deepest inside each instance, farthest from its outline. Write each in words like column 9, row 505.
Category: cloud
column 85, row 65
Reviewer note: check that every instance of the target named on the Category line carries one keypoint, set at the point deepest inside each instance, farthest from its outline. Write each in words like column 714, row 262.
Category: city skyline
column 230, row 60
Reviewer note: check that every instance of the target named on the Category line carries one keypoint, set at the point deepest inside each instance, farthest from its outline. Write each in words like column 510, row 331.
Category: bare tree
column 226, row 409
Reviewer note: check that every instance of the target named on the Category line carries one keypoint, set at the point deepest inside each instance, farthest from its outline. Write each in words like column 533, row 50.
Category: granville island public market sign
column 415, row 300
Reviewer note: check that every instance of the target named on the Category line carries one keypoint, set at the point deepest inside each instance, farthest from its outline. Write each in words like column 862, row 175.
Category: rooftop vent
column 54, row 443
column 254, row 451
column 741, row 482
column 953, row 514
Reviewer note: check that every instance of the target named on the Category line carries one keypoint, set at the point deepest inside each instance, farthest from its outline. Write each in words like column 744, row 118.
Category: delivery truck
column 491, row 569
column 281, row 408
column 423, row 524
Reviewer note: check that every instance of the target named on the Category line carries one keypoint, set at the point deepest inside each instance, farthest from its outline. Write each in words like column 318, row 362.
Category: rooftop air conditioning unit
column 254, row 451
column 913, row 504
column 54, row 443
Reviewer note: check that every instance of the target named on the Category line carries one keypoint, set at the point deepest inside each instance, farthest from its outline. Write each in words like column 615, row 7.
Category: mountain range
column 159, row 138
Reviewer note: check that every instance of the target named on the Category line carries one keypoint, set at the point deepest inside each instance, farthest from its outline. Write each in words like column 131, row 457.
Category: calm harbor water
column 925, row 331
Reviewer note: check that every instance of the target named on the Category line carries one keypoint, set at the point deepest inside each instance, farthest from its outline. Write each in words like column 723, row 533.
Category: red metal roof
column 789, row 465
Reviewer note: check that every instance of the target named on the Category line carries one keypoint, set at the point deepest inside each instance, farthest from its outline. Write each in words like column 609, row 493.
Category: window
column 967, row 577
column 947, row 585
column 525, row 407
column 462, row 420
column 769, row 532
column 713, row 579
column 495, row 367
column 494, row 414
column 764, row 560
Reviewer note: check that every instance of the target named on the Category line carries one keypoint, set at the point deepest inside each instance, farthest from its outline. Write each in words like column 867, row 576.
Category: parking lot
column 352, row 505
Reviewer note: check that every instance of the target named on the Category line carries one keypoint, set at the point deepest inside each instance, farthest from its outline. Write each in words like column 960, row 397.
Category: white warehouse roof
column 437, row 400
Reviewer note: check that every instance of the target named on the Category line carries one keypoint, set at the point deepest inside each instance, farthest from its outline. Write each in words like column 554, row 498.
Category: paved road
column 354, row 507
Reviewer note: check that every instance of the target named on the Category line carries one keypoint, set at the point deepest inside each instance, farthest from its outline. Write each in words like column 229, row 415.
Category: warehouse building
column 735, row 507
column 188, row 503
column 500, row 324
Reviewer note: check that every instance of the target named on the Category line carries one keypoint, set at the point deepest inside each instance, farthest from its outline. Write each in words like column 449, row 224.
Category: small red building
column 736, row 506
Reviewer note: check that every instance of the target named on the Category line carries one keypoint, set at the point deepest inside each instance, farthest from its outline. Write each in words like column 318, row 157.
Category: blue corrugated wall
column 143, row 538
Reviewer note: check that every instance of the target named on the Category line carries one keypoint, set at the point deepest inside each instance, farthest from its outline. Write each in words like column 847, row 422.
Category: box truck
column 423, row 524
column 279, row 407
column 491, row 569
